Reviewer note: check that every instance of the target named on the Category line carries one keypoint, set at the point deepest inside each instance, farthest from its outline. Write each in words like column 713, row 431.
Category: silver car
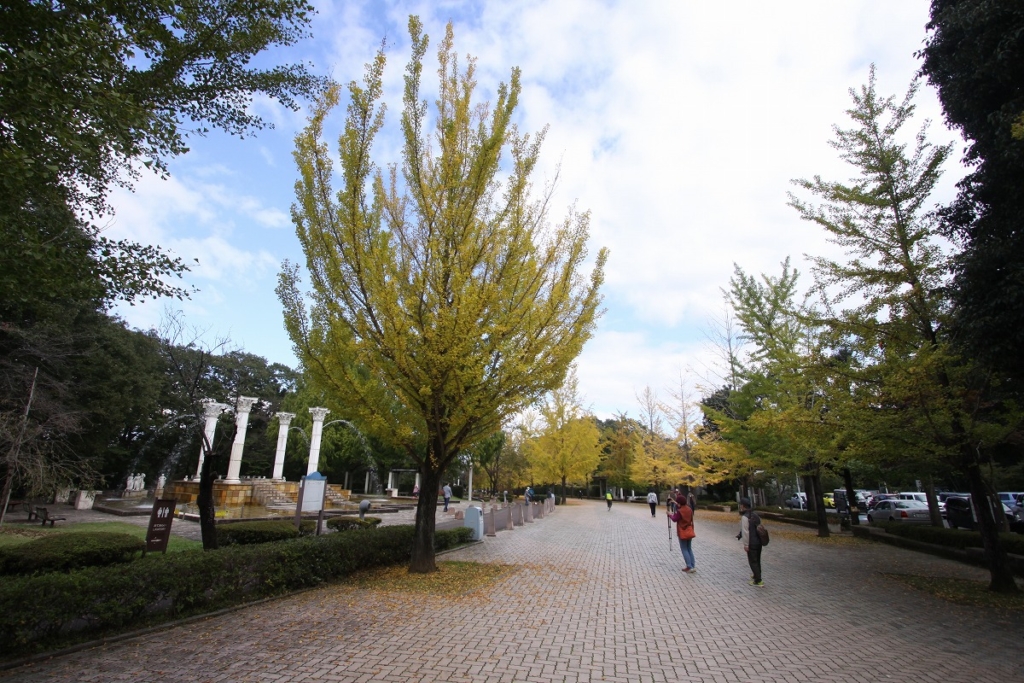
column 900, row 511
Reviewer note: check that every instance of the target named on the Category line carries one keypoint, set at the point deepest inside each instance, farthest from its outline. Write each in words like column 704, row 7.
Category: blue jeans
column 687, row 553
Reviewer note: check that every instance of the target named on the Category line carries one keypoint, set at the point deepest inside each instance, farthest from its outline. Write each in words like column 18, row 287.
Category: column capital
column 318, row 414
column 212, row 408
column 285, row 418
column 245, row 404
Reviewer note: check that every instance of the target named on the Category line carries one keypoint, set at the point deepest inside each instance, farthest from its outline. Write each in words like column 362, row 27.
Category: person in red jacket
column 683, row 517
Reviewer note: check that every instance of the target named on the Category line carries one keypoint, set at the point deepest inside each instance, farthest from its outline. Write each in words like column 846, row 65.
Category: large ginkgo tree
column 442, row 299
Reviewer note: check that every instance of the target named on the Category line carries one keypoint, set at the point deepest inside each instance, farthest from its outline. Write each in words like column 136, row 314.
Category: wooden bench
column 44, row 515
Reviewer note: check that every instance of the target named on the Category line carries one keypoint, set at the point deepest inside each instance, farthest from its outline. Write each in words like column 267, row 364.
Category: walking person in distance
column 447, row 491
column 652, row 500
column 683, row 517
column 749, row 522
column 608, row 497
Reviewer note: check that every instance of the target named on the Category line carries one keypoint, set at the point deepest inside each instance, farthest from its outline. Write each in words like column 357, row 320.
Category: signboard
column 160, row 525
column 312, row 495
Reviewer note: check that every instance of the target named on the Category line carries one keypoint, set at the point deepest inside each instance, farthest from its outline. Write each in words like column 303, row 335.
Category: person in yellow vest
column 608, row 497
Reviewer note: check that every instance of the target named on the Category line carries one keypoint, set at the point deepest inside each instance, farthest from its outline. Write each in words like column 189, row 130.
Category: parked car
column 797, row 501
column 919, row 496
column 943, row 496
column 960, row 514
column 1009, row 498
column 900, row 511
column 878, row 498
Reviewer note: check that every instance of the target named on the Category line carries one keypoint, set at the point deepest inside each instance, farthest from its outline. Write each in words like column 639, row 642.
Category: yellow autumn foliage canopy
column 442, row 299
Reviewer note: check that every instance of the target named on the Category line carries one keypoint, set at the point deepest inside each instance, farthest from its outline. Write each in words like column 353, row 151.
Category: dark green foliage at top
column 251, row 533
column 88, row 86
column 974, row 56
column 42, row 610
column 66, row 552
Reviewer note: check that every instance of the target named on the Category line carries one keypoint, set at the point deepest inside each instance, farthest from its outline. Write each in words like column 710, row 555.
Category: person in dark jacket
column 751, row 541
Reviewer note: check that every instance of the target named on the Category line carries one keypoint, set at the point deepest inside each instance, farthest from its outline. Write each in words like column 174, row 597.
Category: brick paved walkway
column 600, row 598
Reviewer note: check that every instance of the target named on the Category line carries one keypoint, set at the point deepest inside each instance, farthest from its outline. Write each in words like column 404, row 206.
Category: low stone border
column 975, row 556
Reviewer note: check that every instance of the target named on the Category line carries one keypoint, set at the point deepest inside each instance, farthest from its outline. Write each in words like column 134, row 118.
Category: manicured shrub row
column 452, row 537
column 251, row 533
column 352, row 523
column 39, row 610
column 806, row 515
column 953, row 538
column 65, row 552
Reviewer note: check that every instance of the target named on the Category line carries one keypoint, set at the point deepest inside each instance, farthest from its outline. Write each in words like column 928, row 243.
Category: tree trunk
column 563, row 490
column 207, row 512
column 999, row 569
column 933, row 503
column 819, row 505
column 808, row 491
column 851, row 496
column 426, row 510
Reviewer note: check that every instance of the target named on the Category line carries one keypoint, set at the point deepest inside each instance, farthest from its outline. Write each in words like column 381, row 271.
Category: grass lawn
column 962, row 591
column 14, row 535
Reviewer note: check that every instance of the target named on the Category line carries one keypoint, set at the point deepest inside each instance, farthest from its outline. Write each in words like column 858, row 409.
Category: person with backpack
column 652, row 500
column 683, row 517
column 751, row 535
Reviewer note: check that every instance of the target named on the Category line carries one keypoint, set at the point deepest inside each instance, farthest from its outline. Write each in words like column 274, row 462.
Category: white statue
column 161, row 481
column 142, row 482
column 130, row 483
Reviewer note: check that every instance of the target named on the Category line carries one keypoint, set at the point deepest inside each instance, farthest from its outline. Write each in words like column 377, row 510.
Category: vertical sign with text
column 160, row 525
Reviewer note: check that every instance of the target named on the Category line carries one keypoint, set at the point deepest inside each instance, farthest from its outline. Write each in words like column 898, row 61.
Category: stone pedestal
column 85, row 499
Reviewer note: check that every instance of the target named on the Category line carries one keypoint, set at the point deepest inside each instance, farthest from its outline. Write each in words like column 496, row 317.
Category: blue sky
column 679, row 125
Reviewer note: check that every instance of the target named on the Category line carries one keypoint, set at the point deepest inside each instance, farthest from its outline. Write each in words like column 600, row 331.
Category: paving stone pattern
column 599, row 596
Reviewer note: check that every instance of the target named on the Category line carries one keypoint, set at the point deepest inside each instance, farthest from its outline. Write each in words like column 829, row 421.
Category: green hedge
column 953, row 538
column 352, row 523
column 37, row 611
column 65, row 552
column 251, row 533
column 452, row 537
column 806, row 515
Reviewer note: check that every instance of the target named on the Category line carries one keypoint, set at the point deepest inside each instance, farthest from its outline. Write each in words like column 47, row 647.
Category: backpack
column 762, row 532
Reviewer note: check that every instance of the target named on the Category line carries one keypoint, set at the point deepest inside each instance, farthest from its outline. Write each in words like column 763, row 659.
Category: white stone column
column 314, row 442
column 284, row 419
column 391, row 478
column 366, row 486
column 470, row 497
column 211, row 411
column 242, row 408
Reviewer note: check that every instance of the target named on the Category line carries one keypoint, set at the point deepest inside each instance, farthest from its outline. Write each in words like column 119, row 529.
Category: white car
column 900, row 511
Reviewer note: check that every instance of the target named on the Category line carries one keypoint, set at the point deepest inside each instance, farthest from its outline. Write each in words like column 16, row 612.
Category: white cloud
column 678, row 125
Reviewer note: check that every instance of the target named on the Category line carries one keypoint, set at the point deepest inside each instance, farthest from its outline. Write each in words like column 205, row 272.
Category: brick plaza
column 600, row 596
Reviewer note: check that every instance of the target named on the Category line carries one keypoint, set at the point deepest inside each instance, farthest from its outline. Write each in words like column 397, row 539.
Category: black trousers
column 654, row 509
column 754, row 558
